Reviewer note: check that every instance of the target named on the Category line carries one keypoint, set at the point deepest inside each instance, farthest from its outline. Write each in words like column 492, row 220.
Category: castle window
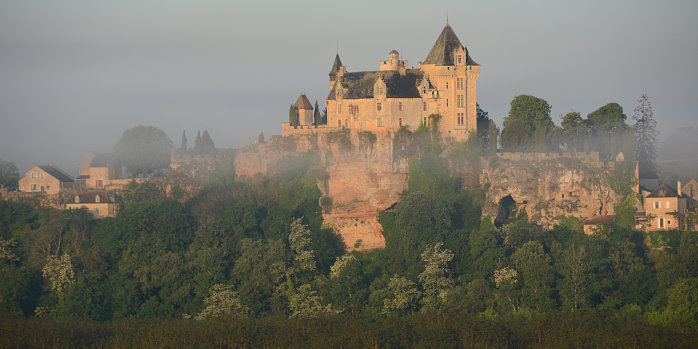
column 424, row 106
column 339, row 109
column 380, row 122
column 459, row 101
column 447, row 85
column 399, row 106
column 446, row 102
column 656, row 204
column 460, row 59
column 356, row 109
column 378, row 106
column 459, row 83
column 33, row 174
column 400, row 122
column 460, row 119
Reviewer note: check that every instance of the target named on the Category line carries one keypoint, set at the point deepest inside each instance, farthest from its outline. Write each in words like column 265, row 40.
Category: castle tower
column 337, row 70
column 304, row 111
column 454, row 74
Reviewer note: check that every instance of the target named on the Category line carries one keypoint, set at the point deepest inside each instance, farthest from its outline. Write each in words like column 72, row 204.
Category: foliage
column 222, row 301
column 8, row 174
column 316, row 115
column 58, row 272
column 435, row 278
column 368, row 137
column 143, row 150
column 646, row 135
column 529, row 126
column 405, row 296
column 292, row 117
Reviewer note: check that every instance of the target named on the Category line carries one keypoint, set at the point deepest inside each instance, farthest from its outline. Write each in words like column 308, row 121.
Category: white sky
column 74, row 74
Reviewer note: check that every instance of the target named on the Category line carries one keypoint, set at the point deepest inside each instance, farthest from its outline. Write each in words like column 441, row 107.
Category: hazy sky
column 74, row 74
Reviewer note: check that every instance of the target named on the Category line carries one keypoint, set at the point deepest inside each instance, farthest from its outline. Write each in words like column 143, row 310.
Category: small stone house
column 304, row 111
column 100, row 203
column 665, row 208
column 47, row 179
column 98, row 170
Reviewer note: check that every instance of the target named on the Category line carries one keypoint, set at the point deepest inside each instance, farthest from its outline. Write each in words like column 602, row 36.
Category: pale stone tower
column 304, row 111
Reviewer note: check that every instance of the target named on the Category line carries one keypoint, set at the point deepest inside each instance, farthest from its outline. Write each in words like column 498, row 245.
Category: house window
column 33, row 174
column 667, row 204
column 425, row 121
column 459, row 83
column 339, row 123
column 656, row 204
column 48, row 187
column 380, row 122
column 399, row 106
column 339, row 108
column 459, row 101
column 378, row 106
column 424, row 106
column 661, row 222
column 460, row 119
column 33, row 187
column 100, row 184
column 97, row 211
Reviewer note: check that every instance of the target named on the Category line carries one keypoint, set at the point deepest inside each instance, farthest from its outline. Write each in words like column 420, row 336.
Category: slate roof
column 89, row 198
column 335, row 67
column 360, row 84
column 664, row 191
column 441, row 52
column 57, row 173
column 600, row 220
column 303, row 103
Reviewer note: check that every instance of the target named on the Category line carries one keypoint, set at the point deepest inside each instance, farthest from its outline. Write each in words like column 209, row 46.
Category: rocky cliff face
column 548, row 188
column 364, row 174
column 362, row 177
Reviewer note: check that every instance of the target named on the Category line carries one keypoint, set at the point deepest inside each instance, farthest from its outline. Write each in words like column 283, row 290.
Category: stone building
column 48, row 179
column 96, row 171
column 100, row 203
column 304, row 111
column 690, row 189
column 396, row 95
column 665, row 208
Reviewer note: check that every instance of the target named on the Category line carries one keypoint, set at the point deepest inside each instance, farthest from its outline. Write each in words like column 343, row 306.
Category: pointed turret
column 442, row 51
column 335, row 67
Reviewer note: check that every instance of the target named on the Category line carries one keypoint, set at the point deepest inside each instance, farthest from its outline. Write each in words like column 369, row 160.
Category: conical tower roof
column 303, row 103
column 441, row 52
column 336, row 65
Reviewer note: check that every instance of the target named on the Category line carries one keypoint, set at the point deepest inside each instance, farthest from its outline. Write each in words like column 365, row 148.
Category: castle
column 394, row 96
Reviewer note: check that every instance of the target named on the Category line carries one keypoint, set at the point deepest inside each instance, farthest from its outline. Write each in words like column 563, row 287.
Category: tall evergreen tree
column 197, row 143
column 183, row 147
column 206, row 146
column 292, row 115
column 316, row 114
column 646, row 138
column 483, row 126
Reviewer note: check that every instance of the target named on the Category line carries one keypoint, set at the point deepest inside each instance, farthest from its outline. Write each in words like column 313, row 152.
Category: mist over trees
column 144, row 150
column 8, row 174
column 646, row 135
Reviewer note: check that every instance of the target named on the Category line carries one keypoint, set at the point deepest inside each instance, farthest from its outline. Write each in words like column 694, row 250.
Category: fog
column 75, row 74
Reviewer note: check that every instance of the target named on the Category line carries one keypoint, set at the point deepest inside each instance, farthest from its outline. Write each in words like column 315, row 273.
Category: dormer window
column 460, row 59
column 77, row 199
column 97, row 199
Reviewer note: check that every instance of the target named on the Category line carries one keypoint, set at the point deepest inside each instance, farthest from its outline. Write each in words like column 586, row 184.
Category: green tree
column 483, row 125
column 646, row 135
column 492, row 138
column 8, row 174
column 144, row 149
column 575, row 131
column 183, row 146
column 316, row 115
column 300, row 242
column 204, row 145
column 222, row 301
column 405, row 296
column 528, row 126
column 607, row 128
column 292, row 115
column 537, row 274
column 436, row 277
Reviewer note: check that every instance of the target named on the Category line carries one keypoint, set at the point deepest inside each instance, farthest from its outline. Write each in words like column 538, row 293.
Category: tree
column 316, row 114
column 58, row 272
column 607, row 128
column 204, row 145
column 144, row 149
column 300, row 241
column 537, row 275
column 646, row 138
column 493, row 135
column 292, row 115
column 483, row 125
column 405, row 296
column 8, row 174
column 324, row 116
column 436, row 278
column 222, row 300
column 528, row 126
column 183, row 147
column 575, row 131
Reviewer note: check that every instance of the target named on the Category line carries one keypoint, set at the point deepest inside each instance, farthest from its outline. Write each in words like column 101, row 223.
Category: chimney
column 678, row 188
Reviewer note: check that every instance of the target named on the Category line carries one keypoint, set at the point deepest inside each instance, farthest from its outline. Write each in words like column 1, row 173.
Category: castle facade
column 395, row 95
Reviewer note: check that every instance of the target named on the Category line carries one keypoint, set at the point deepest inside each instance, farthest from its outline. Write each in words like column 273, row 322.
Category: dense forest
column 249, row 261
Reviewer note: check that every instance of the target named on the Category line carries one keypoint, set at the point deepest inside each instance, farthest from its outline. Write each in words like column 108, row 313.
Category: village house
column 690, row 189
column 96, row 171
column 47, row 179
column 665, row 208
column 396, row 95
column 100, row 203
